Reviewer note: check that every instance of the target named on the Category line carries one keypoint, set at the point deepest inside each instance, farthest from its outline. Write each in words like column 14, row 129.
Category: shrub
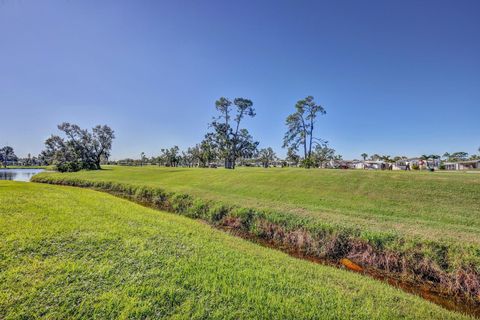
column 245, row 215
column 68, row 166
column 198, row 209
column 217, row 212
column 181, row 203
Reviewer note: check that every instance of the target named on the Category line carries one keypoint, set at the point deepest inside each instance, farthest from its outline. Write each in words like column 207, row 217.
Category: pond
column 18, row 174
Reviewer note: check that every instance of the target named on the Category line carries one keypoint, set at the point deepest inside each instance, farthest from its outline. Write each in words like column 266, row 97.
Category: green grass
column 420, row 226
column 30, row 167
column 422, row 204
column 75, row 253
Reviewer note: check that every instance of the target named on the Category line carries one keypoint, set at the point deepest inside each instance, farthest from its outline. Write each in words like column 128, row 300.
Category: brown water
column 425, row 290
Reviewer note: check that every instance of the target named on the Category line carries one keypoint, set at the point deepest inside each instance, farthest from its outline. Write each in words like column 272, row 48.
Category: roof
column 463, row 162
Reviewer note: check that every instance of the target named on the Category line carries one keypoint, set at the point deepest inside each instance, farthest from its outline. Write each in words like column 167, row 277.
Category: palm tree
column 434, row 157
column 386, row 158
column 365, row 156
column 425, row 158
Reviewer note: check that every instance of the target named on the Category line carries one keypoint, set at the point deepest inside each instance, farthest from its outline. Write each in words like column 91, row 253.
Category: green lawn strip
column 72, row 253
column 446, row 204
column 29, row 167
column 455, row 265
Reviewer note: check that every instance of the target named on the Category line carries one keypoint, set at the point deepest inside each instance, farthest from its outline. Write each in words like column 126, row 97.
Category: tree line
column 227, row 142
column 8, row 157
column 230, row 143
column 195, row 157
column 446, row 157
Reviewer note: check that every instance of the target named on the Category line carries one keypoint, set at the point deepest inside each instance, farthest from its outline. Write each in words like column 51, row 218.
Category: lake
column 18, row 174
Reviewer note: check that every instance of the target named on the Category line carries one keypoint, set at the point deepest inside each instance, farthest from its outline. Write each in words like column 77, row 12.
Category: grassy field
column 419, row 226
column 421, row 204
column 29, row 167
column 75, row 253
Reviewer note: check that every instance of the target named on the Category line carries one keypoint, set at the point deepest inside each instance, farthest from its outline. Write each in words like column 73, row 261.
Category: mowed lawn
column 434, row 206
column 75, row 253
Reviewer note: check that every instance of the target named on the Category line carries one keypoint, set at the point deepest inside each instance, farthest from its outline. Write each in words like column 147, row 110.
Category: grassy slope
column 74, row 253
column 428, row 205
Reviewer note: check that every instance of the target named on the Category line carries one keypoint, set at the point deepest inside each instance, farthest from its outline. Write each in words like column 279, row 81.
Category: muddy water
column 425, row 290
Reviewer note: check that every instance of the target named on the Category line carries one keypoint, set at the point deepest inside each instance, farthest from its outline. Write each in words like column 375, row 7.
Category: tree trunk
column 305, row 147
column 229, row 164
column 311, row 138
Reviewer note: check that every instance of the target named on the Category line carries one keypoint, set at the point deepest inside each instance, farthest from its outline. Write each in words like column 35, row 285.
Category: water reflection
column 18, row 174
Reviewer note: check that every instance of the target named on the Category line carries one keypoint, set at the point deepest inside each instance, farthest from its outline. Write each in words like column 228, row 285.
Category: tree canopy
column 7, row 154
column 230, row 139
column 322, row 154
column 170, row 157
column 456, row 156
column 79, row 148
column 266, row 156
column 301, row 125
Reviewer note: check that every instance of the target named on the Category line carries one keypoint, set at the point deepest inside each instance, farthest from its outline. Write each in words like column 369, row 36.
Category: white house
column 463, row 165
column 420, row 163
column 374, row 165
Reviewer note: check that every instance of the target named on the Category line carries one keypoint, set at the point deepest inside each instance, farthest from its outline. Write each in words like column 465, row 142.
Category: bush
column 307, row 163
column 68, row 166
column 181, row 203
column 217, row 212
column 245, row 215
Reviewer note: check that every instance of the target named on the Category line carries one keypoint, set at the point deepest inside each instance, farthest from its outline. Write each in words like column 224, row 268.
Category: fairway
column 74, row 253
column 422, row 204
column 415, row 226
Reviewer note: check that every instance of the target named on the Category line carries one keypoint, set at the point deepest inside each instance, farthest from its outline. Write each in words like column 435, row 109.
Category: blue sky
column 396, row 77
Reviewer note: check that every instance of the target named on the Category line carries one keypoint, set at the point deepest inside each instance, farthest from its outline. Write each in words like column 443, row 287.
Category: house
column 369, row 164
column 359, row 165
column 340, row 164
column 463, row 165
column 375, row 165
column 417, row 162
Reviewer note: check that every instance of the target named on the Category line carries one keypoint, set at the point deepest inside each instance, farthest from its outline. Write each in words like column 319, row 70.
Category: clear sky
column 396, row 77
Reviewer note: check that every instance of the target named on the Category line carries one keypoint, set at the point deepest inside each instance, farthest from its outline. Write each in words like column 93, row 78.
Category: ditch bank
column 427, row 290
column 445, row 273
